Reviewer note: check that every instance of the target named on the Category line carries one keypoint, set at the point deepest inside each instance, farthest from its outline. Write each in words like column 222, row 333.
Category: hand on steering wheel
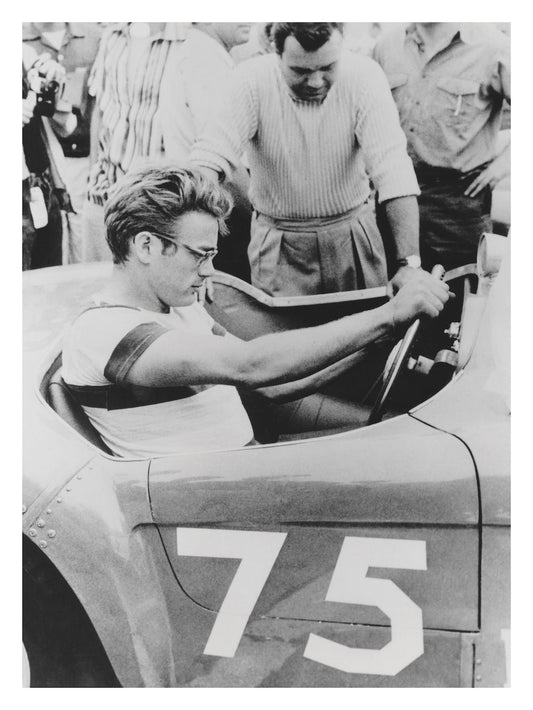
column 403, row 350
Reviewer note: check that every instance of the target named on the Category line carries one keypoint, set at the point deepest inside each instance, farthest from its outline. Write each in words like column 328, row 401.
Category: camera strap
column 57, row 164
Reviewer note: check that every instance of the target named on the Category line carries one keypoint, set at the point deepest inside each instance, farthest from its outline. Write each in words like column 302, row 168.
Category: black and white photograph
column 266, row 291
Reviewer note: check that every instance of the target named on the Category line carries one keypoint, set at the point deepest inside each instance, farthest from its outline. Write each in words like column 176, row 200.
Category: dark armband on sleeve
column 130, row 349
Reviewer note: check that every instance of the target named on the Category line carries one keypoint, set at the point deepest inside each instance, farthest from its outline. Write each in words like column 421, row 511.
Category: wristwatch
column 413, row 260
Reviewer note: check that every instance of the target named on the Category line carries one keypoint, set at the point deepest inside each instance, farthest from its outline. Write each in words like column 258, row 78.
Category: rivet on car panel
column 24, row 509
column 51, row 533
column 40, row 523
column 59, row 500
column 32, row 532
column 48, row 511
column 43, row 543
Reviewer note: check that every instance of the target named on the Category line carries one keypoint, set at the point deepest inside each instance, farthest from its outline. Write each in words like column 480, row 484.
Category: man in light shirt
column 204, row 67
column 154, row 372
column 449, row 81
column 185, row 105
column 316, row 121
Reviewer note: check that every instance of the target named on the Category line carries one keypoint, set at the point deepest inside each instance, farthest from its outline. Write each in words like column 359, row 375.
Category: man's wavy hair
column 311, row 35
column 152, row 197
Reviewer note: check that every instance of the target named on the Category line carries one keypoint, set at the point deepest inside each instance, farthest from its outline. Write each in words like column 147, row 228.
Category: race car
column 376, row 556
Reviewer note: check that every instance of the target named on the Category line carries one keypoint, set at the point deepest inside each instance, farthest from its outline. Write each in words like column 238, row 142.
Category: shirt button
column 412, row 130
column 74, row 146
column 60, row 57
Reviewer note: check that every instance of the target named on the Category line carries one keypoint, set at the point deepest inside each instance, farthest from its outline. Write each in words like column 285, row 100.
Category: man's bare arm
column 174, row 359
column 289, row 391
column 404, row 222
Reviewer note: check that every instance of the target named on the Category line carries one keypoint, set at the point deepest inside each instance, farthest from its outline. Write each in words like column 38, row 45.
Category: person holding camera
column 43, row 190
column 73, row 45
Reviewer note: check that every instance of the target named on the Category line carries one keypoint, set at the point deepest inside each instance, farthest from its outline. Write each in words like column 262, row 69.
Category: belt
column 312, row 224
column 112, row 397
column 432, row 174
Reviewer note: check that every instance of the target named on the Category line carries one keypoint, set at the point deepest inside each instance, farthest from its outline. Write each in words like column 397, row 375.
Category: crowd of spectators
column 332, row 189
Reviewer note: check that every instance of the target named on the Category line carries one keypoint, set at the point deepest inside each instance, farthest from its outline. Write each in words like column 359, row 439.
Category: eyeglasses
column 202, row 255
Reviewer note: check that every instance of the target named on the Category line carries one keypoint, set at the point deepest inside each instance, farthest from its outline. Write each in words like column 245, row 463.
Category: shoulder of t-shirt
column 106, row 316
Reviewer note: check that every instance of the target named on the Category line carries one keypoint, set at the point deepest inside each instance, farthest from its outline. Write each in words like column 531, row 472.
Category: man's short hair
column 311, row 35
column 151, row 198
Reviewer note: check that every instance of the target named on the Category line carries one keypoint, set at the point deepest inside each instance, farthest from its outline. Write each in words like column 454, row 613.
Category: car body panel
column 483, row 388
column 492, row 651
column 378, row 475
column 447, row 591
column 272, row 655
column 96, row 532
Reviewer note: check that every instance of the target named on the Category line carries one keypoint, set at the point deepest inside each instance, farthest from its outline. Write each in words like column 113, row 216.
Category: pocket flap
column 457, row 86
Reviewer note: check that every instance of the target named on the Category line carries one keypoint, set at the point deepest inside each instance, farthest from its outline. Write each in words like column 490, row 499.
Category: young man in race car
column 154, row 372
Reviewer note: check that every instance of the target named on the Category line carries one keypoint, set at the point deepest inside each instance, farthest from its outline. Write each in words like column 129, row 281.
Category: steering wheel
column 392, row 370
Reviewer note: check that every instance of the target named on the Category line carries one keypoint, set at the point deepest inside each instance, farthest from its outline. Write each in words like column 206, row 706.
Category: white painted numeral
column 258, row 552
column 350, row 585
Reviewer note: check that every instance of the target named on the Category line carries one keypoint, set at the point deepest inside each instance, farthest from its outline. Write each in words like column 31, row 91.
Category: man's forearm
column 403, row 219
column 289, row 391
column 272, row 359
column 174, row 359
column 285, row 358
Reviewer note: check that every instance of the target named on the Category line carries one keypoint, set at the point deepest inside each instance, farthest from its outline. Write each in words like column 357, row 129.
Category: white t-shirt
column 99, row 349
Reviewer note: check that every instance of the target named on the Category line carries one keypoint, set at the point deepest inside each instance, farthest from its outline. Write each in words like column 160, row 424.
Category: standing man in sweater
column 316, row 121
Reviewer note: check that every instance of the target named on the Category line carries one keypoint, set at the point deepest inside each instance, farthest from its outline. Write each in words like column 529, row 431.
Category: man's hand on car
column 422, row 295
column 400, row 278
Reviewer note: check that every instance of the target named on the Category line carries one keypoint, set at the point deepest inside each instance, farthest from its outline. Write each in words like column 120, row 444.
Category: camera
column 47, row 93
